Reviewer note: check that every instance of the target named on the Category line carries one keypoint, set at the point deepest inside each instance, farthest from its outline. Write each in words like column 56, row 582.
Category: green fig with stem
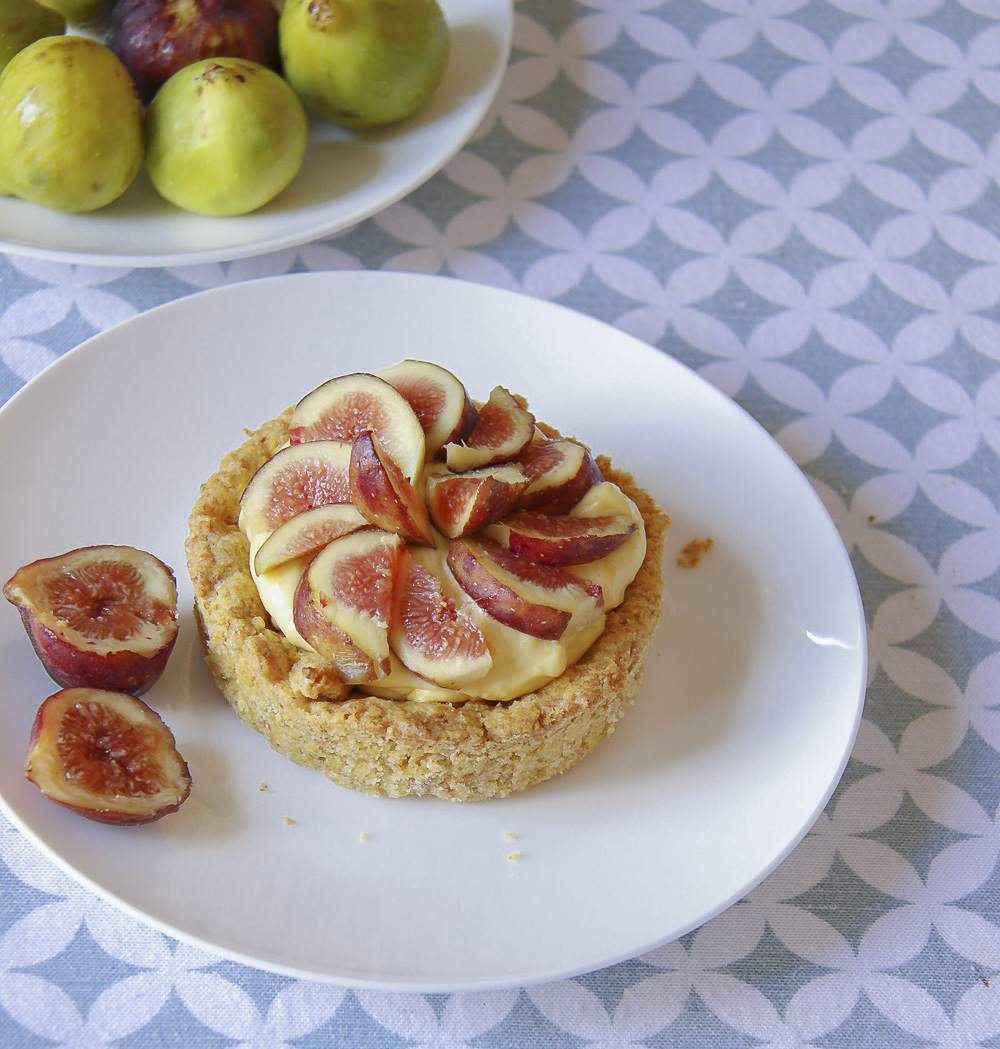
column 363, row 63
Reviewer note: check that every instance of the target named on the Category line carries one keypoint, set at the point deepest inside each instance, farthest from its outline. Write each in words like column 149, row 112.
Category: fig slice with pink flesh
column 329, row 641
column 441, row 401
column 352, row 580
column 561, row 471
column 460, row 504
column 295, row 479
column 344, row 407
column 307, row 533
column 107, row 756
column 99, row 616
column 518, row 593
column 384, row 495
column 565, row 539
column 432, row 636
column 502, row 431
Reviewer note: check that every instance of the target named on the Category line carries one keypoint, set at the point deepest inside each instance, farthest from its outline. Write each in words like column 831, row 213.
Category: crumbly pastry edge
column 468, row 751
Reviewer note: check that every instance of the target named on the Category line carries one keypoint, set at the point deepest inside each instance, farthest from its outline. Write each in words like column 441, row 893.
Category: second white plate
column 746, row 714
column 345, row 177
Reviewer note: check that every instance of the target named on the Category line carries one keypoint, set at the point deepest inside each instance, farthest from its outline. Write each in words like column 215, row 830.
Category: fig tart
column 421, row 594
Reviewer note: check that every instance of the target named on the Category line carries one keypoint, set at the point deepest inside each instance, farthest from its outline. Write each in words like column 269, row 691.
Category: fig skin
column 159, row 776
column 363, row 63
column 84, row 13
column 22, row 22
column 224, row 136
column 157, row 38
column 71, row 133
column 65, row 653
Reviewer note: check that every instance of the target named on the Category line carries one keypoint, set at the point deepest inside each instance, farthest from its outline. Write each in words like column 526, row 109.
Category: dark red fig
column 107, row 756
column 99, row 617
column 156, row 38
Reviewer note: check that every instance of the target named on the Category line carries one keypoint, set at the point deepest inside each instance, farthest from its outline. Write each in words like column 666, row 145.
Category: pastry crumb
column 508, row 836
column 290, row 821
column 363, row 837
column 514, row 857
column 264, row 788
column 693, row 552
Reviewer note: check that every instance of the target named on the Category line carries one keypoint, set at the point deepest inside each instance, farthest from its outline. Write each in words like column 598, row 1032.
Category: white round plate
column 345, row 178
column 747, row 711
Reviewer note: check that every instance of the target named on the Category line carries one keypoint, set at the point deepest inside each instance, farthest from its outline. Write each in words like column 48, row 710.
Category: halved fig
column 329, row 641
column 99, row 616
column 352, row 580
column 565, row 539
column 519, row 593
column 384, row 495
column 306, row 533
column 344, row 407
column 430, row 634
column 295, row 479
column 460, row 504
column 439, row 398
column 561, row 472
column 502, row 431
column 107, row 756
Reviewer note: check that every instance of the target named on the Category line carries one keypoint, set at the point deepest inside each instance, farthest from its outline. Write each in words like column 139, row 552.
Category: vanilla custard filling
column 521, row 663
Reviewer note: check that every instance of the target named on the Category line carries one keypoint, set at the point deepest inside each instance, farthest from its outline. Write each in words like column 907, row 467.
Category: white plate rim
column 442, row 290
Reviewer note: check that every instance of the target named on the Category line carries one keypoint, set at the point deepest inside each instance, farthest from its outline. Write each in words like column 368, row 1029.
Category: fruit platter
column 741, row 726
column 312, row 175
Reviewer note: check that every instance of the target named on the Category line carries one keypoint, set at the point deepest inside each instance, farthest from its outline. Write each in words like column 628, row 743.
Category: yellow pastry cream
column 521, row 663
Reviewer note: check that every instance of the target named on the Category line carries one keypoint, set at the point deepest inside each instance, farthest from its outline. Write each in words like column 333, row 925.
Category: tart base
column 462, row 752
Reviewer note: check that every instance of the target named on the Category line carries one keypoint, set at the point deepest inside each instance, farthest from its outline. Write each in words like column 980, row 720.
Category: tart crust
column 468, row 751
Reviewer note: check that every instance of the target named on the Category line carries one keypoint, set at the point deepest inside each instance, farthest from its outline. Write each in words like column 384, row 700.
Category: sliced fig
column 306, row 533
column 519, row 593
column 344, row 407
column 561, row 472
column 295, row 479
column 502, row 431
column 352, row 579
column 565, row 539
column 430, row 634
column 107, row 756
column 460, row 504
column 99, row 616
column 384, row 495
column 329, row 641
column 439, row 398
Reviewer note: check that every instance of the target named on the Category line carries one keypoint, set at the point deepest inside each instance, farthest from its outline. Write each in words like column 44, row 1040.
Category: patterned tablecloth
column 798, row 199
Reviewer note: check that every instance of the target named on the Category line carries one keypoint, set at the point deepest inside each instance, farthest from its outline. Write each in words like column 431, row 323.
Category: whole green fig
column 224, row 136
column 70, row 125
column 22, row 22
column 363, row 63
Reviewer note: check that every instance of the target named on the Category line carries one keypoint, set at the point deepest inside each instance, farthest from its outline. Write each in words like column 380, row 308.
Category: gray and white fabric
column 799, row 199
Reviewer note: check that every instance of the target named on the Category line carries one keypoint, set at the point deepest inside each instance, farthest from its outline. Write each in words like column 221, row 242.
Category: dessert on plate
column 421, row 594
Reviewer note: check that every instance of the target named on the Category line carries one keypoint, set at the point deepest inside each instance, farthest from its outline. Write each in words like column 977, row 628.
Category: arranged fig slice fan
column 349, row 405
column 295, row 479
column 502, row 431
column 440, row 400
column 101, row 616
column 430, row 634
column 107, row 756
column 352, row 580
